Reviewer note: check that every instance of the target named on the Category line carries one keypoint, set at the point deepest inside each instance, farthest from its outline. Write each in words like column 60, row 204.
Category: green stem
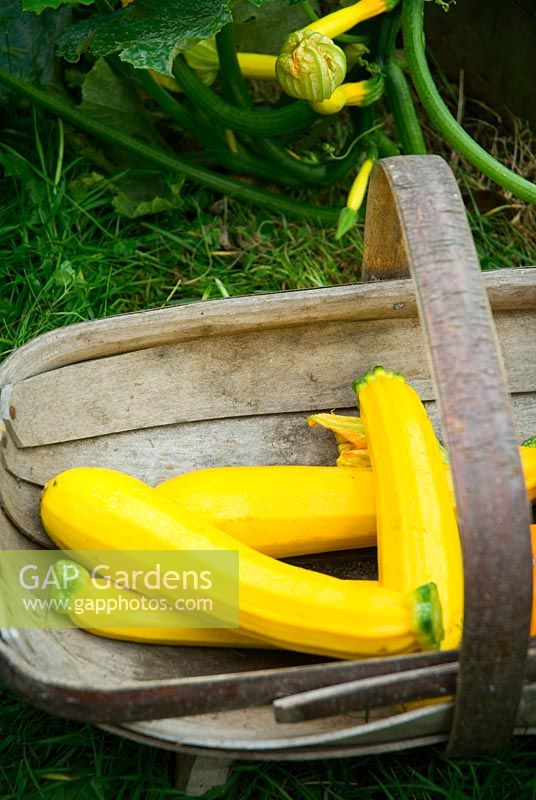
column 441, row 117
column 167, row 163
column 233, row 82
column 263, row 123
column 401, row 102
column 210, row 139
column 397, row 88
column 201, row 131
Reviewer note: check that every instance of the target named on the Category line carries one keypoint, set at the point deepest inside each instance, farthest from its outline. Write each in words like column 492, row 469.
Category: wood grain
column 255, row 337
column 19, row 501
column 128, row 332
column 264, row 372
column 156, row 454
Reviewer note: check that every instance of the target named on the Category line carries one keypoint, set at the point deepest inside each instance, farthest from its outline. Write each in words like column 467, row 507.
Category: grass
column 65, row 256
column 43, row 757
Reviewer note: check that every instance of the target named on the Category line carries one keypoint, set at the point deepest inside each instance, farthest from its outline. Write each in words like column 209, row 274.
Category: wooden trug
column 231, row 382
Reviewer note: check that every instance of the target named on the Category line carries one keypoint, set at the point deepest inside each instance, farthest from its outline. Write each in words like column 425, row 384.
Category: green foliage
column 66, row 255
column 260, row 3
column 347, row 219
column 145, row 194
column 37, row 6
column 28, row 42
column 106, row 97
column 148, row 33
column 10, row 10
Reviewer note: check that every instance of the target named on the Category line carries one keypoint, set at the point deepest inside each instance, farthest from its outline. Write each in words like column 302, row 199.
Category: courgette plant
column 177, row 65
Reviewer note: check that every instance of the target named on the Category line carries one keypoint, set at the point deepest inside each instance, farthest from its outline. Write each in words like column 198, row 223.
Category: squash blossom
column 310, row 66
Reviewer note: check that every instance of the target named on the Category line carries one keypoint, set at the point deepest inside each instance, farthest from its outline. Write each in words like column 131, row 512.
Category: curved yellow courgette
column 99, row 509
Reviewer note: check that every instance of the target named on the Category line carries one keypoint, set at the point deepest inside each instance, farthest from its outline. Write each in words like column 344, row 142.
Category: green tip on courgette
column 427, row 617
column 69, row 576
column 529, row 442
column 374, row 88
column 444, row 454
column 347, row 219
column 376, row 372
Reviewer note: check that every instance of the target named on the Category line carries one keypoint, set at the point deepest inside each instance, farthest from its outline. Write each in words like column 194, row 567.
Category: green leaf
column 10, row 11
column 37, row 6
column 146, row 193
column 106, row 99
column 262, row 27
column 27, row 43
column 15, row 166
column 149, row 34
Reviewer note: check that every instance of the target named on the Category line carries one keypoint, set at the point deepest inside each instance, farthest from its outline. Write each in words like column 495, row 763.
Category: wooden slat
column 129, row 332
column 259, row 372
column 156, row 454
column 10, row 536
column 344, row 750
column 19, row 501
column 263, row 372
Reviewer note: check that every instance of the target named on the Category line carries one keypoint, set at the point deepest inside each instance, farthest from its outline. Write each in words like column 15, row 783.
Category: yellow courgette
column 99, row 509
column 283, row 511
column 288, row 511
column 82, row 589
column 340, row 21
column 418, row 539
column 87, row 606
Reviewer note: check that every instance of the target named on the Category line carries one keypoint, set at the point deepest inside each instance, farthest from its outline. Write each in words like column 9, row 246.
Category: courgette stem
column 236, row 91
column 263, row 123
column 214, row 142
column 205, row 135
column 168, row 163
column 397, row 89
column 427, row 616
column 440, row 116
column 234, row 85
column 401, row 103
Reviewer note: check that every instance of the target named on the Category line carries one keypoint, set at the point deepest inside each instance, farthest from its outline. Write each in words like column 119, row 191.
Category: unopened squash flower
column 310, row 66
